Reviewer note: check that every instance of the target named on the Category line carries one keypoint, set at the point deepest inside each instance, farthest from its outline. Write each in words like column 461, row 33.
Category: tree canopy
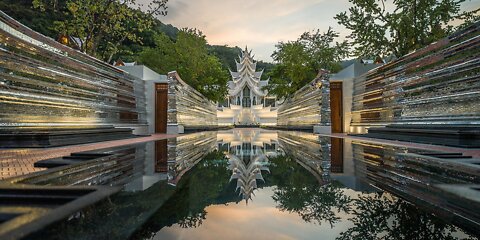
column 298, row 62
column 103, row 24
column 411, row 24
column 188, row 55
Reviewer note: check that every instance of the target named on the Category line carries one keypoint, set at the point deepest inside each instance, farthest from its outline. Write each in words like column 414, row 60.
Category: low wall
column 188, row 109
column 44, row 83
column 308, row 107
column 438, row 84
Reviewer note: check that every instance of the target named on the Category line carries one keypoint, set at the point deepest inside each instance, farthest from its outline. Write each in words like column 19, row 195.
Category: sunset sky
column 260, row 24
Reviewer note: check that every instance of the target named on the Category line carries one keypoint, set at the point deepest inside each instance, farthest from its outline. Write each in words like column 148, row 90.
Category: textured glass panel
column 44, row 83
column 308, row 106
column 188, row 107
column 438, row 84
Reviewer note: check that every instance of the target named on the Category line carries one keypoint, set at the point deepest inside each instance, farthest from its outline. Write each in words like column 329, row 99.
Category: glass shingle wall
column 308, row 106
column 44, row 83
column 188, row 107
column 439, row 84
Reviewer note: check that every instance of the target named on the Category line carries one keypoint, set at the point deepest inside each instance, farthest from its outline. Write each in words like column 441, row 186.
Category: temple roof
column 246, row 74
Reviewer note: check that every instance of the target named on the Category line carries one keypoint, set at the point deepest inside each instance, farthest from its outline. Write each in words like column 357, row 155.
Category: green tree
column 468, row 18
column 188, row 55
column 298, row 62
column 104, row 22
column 227, row 55
column 411, row 24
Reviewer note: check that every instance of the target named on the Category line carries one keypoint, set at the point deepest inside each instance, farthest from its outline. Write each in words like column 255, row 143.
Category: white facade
column 247, row 103
column 150, row 78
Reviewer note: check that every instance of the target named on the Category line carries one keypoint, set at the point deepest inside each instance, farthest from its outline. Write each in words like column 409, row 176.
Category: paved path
column 16, row 162
column 475, row 152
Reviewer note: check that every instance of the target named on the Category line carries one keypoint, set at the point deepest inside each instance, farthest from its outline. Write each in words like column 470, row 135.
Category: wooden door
column 161, row 156
column 336, row 106
column 161, row 107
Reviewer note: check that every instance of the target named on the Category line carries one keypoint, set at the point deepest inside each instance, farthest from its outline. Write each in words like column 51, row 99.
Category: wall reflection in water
column 295, row 187
column 423, row 178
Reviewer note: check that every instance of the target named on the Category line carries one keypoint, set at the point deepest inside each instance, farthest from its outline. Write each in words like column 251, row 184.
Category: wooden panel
column 336, row 106
column 161, row 156
column 336, row 157
column 161, row 107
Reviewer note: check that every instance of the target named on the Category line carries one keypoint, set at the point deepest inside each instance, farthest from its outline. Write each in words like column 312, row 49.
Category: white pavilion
column 247, row 104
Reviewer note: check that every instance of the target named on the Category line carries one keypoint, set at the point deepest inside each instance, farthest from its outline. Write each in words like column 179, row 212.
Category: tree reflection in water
column 374, row 216
column 382, row 216
column 297, row 191
column 205, row 184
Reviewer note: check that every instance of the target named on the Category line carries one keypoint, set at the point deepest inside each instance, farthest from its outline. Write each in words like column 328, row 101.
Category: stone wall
column 44, row 83
column 438, row 84
column 307, row 107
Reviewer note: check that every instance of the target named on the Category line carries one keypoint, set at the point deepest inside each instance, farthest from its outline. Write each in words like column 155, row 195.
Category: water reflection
column 299, row 172
column 294, row 184
column 382, row 216
column 247, row 153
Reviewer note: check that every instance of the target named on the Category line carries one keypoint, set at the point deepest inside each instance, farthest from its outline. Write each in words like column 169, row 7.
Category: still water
column 260, row 184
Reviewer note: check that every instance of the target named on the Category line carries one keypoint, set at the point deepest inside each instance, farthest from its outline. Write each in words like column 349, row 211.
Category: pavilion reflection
column 248, row 152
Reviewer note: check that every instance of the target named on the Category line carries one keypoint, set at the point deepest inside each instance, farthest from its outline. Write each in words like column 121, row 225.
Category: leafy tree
column 107, row 22
column 468, row 18
column 227, row 55
column 40, row 21
column 298, row 62
column 412, row 24
column 188, row 55
column 267, row 68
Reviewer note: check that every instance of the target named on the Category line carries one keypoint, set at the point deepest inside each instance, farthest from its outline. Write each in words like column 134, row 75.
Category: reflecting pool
column 262, row 184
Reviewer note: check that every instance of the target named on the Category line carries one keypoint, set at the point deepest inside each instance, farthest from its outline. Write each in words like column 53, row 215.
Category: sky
column 260, row 24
